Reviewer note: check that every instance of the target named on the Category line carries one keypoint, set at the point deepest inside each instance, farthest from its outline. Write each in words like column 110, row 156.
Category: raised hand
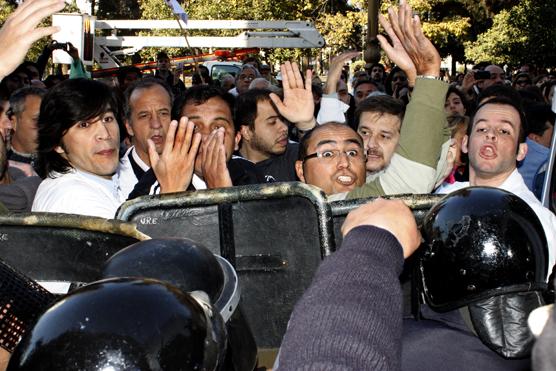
column 410, row 49
column 298, row 105
column 335, row 70
column 174, row 167
column 20, row 31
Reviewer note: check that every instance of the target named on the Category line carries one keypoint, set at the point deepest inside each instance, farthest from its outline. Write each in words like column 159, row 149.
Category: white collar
column 198, row 183
column 138, row 160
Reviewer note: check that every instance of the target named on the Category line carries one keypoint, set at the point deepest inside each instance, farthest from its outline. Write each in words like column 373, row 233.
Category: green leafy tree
column 524, row 33
column 118, row 9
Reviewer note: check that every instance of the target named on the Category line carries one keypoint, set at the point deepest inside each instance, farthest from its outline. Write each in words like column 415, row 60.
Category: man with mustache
column 379, row 121
column 209, row 111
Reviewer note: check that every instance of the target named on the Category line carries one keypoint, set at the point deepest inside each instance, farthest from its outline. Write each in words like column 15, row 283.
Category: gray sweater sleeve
column 350, row 318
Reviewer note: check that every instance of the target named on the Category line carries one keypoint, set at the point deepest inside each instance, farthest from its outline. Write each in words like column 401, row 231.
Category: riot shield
column 58, row 250
column 275, row 235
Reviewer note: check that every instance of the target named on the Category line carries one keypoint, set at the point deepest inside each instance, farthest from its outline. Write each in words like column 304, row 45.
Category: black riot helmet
column 183, row 263
column 481, row 242
column 124, row 324
column 191, row 267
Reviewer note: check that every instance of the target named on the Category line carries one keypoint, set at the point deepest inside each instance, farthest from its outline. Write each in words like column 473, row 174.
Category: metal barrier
column 62, row 248
column 419, row 204
column 274, row 234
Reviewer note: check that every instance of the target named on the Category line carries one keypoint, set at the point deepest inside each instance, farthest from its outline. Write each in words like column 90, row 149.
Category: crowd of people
column 82, row 146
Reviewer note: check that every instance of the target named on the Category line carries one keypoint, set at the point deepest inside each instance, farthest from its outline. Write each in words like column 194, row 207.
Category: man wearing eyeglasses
column 244, row 77
column 424, row 136
column 332, row 157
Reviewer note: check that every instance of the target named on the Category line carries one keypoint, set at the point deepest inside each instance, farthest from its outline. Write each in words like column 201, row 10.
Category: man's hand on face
column 213, row 158
column 174, row 167
column 298, row 105
column 391, row 215
column 410, row 49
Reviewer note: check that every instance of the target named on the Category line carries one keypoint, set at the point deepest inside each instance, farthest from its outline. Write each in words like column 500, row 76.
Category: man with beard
column 423, row 136
column 263, row 123
column 210, row 111
column 379, row 121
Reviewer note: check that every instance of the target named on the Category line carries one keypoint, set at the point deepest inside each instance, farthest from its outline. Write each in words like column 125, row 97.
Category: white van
column 218, row 68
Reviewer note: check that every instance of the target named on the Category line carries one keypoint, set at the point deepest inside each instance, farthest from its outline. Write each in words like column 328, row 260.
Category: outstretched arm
column 298, row 105
column 423, row 132
column 20, row 31
column 350, row 318
column 335, row 70
column 331, row 108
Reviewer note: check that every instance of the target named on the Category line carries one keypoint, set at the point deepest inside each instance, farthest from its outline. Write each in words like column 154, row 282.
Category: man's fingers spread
column 32, row 16
column 297, row 75
column 309, row 80
column 39, row 33
column 277, row 102
column 285, row 79
column 153, row 155
column 388, row 29
column 169, row 142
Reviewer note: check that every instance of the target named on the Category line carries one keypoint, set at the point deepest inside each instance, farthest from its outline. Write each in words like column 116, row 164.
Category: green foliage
column 5, row 10
column 157, row 9
column 342, row 31
column 118, row 9
column 521, row 34
column 505, row 30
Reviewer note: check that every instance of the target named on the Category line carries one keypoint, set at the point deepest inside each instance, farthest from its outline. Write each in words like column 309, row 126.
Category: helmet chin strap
column 231, row 292
column 228, row 301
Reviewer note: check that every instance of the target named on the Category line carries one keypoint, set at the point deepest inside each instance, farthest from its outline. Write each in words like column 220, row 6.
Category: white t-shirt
column 79, row 192
column 515, row 184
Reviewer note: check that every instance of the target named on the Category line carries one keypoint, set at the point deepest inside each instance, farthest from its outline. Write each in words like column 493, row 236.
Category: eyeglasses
column 399, row 78
column 247, row 77
column 331, row 155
